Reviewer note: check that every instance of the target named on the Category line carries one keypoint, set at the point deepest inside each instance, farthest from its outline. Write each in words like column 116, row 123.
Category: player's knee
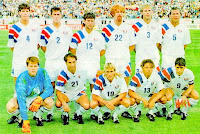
column 58, row 103
column 132, row 101
column 137, row 101
column 126, row 102
column 93, row 104
column 168, row 97
column 86, row 106
column 49, row 102
column 12, row 105
column 195, row 95
column 163, row 99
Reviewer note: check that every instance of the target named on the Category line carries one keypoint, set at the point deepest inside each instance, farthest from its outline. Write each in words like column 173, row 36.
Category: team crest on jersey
column 79, row 76
column 152, row 83
column 186, row 79
column 65, row 32
column 152, row 27
column 179, row 30
column 116, row 86
column 33, row 30
column 95, row 39
column 124, row 31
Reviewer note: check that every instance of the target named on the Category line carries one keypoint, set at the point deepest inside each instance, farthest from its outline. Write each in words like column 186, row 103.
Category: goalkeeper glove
column 36, row 104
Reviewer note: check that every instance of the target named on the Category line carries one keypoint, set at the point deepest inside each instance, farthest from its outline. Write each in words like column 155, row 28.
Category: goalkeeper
column 34, row 92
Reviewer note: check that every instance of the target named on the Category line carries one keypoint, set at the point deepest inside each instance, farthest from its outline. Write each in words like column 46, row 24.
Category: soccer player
column 176, row 36
column 89, row 46
column 70, row 87
column 55, row 42
column 34, row 90
column 146, row 87
column 23, row 40
column 110, row 90
column 119, row 41
column 148, row 36
column 179, row 86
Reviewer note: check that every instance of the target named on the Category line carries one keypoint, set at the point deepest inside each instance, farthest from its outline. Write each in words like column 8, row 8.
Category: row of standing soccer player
column 145, row 37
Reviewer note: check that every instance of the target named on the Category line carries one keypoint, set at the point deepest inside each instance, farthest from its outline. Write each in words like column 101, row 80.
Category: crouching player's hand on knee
column 110, row 105
column 36, row 104
column 66, row 107
column 26, row 126
column 151, row 104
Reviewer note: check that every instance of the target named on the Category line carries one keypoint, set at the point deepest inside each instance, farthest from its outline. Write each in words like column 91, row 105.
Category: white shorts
column 89, row 71
column 168, row 61
column 74, row 96
column 123, row 67
column 17, row 69
column 54, row 68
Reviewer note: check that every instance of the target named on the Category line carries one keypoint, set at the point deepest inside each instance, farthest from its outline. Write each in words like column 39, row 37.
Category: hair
column 116, row 7
column 111, row 66
column 174, row 8
column 69, row 55
column 55, row 8
column 147, row 61
column 88, row 16
column 23, row 6
column 32, row 59
column 180, row 61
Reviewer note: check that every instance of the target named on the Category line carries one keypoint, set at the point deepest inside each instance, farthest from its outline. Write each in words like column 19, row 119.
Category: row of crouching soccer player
column 109, row 95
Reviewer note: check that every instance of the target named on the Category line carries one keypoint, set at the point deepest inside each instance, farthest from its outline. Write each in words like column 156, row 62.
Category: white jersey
column 118, row 40
column 146, row 87
column 174, row 39
column 88, row 46
column 69, row 83
column 24, row 40
column 177, row 83
column 107, row 90
column 56, row 41
column 147, row 35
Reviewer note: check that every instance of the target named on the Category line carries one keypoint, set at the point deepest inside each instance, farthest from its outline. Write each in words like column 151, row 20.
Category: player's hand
column 184, row 99
column 36, row 104
column 66, row 107
column 26, row 126
column 151, row 105
column 145, row 102
column 110, row 105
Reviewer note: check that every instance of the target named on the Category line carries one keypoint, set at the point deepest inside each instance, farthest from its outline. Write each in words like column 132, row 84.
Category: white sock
column 193, row 102
column 80, row 111
column 15, row 113
column 116, row 112
column 51, row 111
column 41, row 111
column 169, row 106
column 134, row 109
column 105, row 109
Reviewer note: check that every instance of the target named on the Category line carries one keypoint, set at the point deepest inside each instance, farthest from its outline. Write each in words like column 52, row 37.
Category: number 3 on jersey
column 148, row 34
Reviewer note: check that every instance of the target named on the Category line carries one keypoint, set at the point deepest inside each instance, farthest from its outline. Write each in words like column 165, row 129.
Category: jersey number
column 174, row 36
column 148, row 34
column 111, row 93
column 28, row 38
column 118, row 37
column 178, row 85
column 147, row 90
column 74, row 83
column 89, row 45
column 58, row 40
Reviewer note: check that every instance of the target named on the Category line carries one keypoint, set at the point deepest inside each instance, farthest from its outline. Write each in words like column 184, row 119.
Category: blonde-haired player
column 110, row 90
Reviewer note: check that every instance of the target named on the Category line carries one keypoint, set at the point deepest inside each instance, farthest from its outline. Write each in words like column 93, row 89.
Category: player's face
column 24, row 14
column 56, row 16
column 32, row 68
column 89, row 23
column 175, row 15
column 118, row 15
column 71, row 64
column 147, row 69
column 179, row 69
column 147, row 12
column 110, row 73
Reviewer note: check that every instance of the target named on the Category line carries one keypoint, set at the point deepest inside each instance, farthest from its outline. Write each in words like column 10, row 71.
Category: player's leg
column 13, row 109
column 64, row 114
column 94, row 105
column 169, row 93
column 133, row 108
column 84, row 105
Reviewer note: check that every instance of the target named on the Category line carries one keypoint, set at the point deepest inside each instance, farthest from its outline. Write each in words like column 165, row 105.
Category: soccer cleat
column 177, row 111
column 183, row 116
column 100, row 120
column 39, row 122
column 164, row 111
column 75, row 117
column 158, row 114
column 26, row 127
column 169, row 116
column 115, row 119
column 136, row 118
column 93, row 117
column 80, row 119
column 49, row 118
column 126, row 115
column 139, row 113
column 34, row 117
column 20, row 123
column 150, row 116
column 65, row 119
column 106, row 116
column 12, row 120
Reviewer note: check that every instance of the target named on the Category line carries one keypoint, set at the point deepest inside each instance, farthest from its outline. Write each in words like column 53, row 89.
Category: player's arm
column 159, row 46
column 12, row 49
column 99, row 99
column 134, row 95
column 117, row 99
column 132, row 48
column 185, row 46
column 157, row 97
column 187, row 92
column 102, row 52
column 43, row 49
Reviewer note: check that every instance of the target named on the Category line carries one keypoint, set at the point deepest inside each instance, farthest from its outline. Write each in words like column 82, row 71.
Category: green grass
column 191, row 125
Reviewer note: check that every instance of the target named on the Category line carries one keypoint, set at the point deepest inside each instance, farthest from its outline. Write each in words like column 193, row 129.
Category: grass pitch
column 161, row 125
